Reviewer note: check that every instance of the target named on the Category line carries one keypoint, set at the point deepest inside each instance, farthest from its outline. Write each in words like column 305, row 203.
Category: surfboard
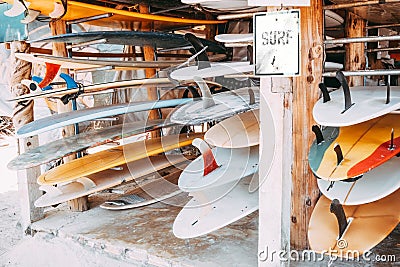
column 158, row 190
column 373, row 185
column 242, row 130
column 370, row 224
column 216, row 69
column 364, row 146
column 216, row 107
column 67, row 145
column 115, row 156
column 134, row 38
column 218, row 166
column 67, row 118
column 234, row 38
column 105, row 179
column 118, row 18
column 367, row 102
column 214, row 208
column 332, row 19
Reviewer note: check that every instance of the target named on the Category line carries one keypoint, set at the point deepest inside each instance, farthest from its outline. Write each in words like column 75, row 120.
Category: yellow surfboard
column 114, row 157
column 78, row 10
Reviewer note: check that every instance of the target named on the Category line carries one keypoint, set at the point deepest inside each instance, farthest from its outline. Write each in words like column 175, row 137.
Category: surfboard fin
column 51, row 190
column 210, row 164
column 346, row 90
column 318, row 134
column 51, row 73
column 202, row 58
column 337, row 209
column 31, row 15
column 207, row 98
column 252, row 97
column 325, row 94
column 59, row 11
column 339, row 153
column 18, row 7
column 250, row 54
column 86, row 182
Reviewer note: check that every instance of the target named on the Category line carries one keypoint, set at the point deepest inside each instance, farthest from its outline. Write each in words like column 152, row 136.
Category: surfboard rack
column 388, row 91
column 337, row 209
column 318, row 134
column 325, row 93
column 346, row 90
column 339, row 153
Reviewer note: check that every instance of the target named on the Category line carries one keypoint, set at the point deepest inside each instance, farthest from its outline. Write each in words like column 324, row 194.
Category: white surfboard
column 216, row 69
column 369, row 102
column 333, row 66
column 224, row 105
column 67, row 118
column 234, row 38
column 373, row 185
column 215, row 208
column 233, row 164
column 332, row 19
column 104, row 179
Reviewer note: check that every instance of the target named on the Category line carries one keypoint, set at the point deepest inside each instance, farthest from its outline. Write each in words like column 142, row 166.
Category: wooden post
column 305, row 93
column 59, row 49
column 148, row 52
column 355, row 52
column 23, row 113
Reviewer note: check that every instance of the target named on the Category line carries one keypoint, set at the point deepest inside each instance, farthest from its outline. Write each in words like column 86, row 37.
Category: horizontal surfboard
column 378, row 218
column 372, row 186
column 65, row 146
column 223, row 105
column 161, row 189
column 67, row 118
column 363, row 146
column 242, row 130
column 105, row 179
column 367, row 102
column 78, row 10
column 214, row 208
column 234, row 38
column 231, row 164
column 134, row 38
column 113, row 157
column 332, row 19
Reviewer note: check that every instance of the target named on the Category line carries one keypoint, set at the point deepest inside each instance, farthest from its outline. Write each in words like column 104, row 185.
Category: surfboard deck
column 371, row 223
column 332, row 19
column 115, row 156
column 65, row 146
column 234, row 38
column 242, row 130
column 158, row 190
column 79, row 10
column 106, row 179
column 226, row 105
column 372, row 186
column 134, row 38
column 369, row 103
column 364, row 146
column 214, row 208
column 233, row 164
column 67, row 118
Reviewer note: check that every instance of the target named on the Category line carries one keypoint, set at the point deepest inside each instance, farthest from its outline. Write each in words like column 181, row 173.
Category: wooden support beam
column 59, row 27
column 148, row 55
column 28, row 189
column 355, row 52
column 305, row 192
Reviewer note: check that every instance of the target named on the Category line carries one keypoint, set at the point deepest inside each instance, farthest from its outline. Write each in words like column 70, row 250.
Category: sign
column 277, row 43
column 278, row 3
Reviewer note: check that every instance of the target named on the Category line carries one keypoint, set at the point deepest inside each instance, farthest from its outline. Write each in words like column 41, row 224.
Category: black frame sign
column 277, row 43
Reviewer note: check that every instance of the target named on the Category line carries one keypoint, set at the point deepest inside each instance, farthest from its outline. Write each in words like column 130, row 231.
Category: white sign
column 277, row 43
column 278, row 2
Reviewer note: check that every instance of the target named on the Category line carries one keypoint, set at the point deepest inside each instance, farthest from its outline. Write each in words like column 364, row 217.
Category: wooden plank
column 59, row 49
column 305, row 93
column 148, row 55
column 355, row 52
column 28, row 189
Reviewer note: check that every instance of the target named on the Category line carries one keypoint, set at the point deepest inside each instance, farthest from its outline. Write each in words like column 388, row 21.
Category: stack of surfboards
column 355, row 161
column 218, row 181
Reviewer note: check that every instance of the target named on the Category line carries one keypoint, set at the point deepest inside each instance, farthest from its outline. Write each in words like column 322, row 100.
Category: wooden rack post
column 355, row 52
column 148, row 52
column 22, row 114
column 305, row 191
column 59, row 49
